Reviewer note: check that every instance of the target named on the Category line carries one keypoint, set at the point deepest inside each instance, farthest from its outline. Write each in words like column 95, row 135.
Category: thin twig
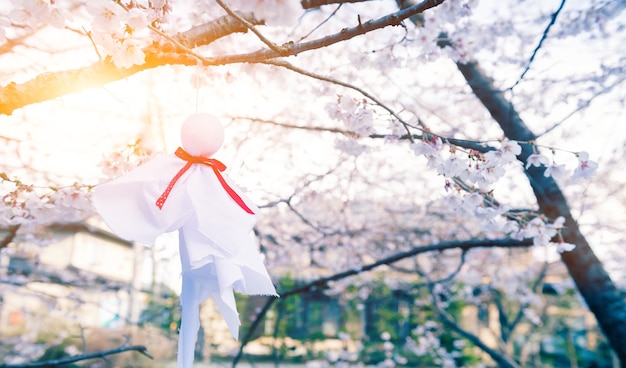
column 500, row 358
column 312, row 4
column 582, row 106
column 82, row 338
column 480, row 146
column 93, row 43
column 250, row 26
column 543, row 38
column 534, row 288
column 293, row 49
column 9, row 139
column 77, row 358
column 289, row 66
column 448, row 278
column 321, row 23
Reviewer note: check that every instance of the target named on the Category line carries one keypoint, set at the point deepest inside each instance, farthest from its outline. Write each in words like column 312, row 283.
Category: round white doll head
column 202, row 135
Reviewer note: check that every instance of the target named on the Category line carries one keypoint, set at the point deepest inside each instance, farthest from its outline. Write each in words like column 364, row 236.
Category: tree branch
column 55, row 84
column 292, row 49
column 77, row 358
column 10, row 236
column 322, row 283
column 251, row 27
column 520, row 313
column 501, row 359
column 543, row 38
column 464, row 143
column 293, row 68
column 51, row 85
column 312, row 4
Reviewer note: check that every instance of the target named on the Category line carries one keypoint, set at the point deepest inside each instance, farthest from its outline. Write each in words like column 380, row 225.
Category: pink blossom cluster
column 119, row 29
column 474, row 176
column 33, row 209
column 358, row 120
column 354, row 114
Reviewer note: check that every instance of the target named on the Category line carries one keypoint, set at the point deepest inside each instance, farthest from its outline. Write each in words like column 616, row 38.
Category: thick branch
column 312, row 4
column 292, row 49
column 206, row 33
column 77, row 358
column 55, row 84
column 10, row 236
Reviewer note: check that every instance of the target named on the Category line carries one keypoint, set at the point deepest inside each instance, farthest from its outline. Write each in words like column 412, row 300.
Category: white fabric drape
column 217, row 250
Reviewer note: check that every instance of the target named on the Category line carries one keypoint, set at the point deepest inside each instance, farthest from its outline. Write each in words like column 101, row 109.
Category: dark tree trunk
column 602, row 296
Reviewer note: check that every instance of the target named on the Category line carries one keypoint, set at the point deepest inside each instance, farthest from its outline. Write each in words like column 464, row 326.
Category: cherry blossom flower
column 537, row 160
column 56, row 18
column 514, row 230
column 347, row 105
column 489, row 174
column 510, row 149
column 555, row 171
column 452, row 166
column 107, row 16
column 471, row 201
column 30, row 12
column 562, row 246
column 469, row 173
column 539, row 231
column 361, row 122
column 426, row 37
column 423, row 148
column 350, row 146
column 430, row 150
column 33, row 13
column 128, row 54
column 136, row 19
column 453, row 201
column 334, row 111
column 507, row 152
column 586, row 168
column 396, row 128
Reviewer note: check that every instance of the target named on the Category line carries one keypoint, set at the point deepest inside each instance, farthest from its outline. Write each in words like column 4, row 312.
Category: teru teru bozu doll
column 186, row 191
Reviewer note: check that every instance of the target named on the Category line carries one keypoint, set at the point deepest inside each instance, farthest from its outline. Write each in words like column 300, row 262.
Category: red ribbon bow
column 214, row 164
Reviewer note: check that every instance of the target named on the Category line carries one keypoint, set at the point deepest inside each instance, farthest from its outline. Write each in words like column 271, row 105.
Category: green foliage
column 162, row 311
column 365, row 311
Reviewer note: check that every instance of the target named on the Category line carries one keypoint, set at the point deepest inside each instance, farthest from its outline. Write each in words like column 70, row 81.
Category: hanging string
column 197, row 82
column 197, row 90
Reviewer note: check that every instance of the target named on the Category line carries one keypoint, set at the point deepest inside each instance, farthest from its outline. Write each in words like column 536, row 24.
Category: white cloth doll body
column 215, row 220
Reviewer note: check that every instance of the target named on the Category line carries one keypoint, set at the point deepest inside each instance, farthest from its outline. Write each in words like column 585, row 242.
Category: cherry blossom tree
column 369, row 132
